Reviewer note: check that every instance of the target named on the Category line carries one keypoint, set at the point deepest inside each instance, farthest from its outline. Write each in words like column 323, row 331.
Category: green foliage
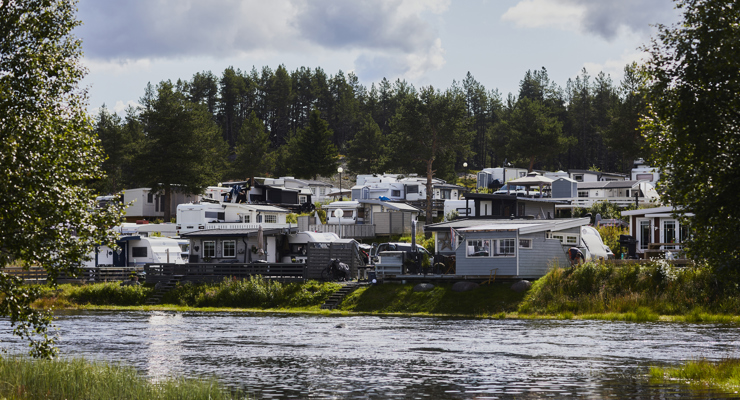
column 23, row 378
column 48, row 153
column 609, row 288
column 693, row 81
column 486, row 300
column 312, row 150
column 610, row 236
column 183, row 149
column 110, row 293
column 723, row 374
column 606, row 209
column 368, row 150
column 255, row 292
column 251, row 152
column 429, row 125
column 534, row 133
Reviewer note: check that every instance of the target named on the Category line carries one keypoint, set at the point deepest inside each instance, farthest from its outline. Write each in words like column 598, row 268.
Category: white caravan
column 135, row 251
column 211, row 214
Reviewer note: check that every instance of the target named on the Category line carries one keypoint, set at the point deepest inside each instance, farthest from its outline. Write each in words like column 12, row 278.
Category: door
column 119, row 255
column 645, row 230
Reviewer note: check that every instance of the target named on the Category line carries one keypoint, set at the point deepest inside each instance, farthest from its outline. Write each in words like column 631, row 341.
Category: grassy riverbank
column 702, row 374
column 24, row 378
column 631, row 292
column 695, row 294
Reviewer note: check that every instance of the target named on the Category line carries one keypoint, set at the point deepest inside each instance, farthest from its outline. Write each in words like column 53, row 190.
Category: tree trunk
column 167, row 203
column 430, row 192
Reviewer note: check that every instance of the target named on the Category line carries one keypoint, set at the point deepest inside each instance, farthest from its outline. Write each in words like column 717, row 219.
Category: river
column 375, row 357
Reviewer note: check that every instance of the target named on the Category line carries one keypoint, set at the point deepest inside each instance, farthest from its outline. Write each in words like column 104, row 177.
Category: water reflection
column 282, row 356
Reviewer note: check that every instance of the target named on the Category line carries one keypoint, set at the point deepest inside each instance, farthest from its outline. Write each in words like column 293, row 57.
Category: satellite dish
column 339, row 213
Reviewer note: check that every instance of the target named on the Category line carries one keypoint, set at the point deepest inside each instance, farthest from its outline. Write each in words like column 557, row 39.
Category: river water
column 376, row 357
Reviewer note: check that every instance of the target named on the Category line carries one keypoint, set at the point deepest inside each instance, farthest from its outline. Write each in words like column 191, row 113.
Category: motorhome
column 344, row 213
column 494, row 178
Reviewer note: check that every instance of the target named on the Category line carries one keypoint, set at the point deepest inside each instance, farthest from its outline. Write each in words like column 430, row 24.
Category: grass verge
column 724, row 374
column 24, row 378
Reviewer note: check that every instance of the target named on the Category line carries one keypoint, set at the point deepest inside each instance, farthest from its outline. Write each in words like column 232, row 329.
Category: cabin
column 316, row 190
column 520, row 249
column 494, row 178
column 237, row 245
column 657, row 230
column 493, row 206
column 212, row 214
column 583, row 175
column 147, row 205
column 621, row 193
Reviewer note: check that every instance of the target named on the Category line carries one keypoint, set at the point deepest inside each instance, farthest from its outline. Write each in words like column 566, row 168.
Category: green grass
column 724, row 374
column 24, row 378
column 485, row 301
column 632, row 291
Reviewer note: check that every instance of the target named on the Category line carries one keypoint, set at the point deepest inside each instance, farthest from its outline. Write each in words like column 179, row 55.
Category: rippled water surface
column 301, row 356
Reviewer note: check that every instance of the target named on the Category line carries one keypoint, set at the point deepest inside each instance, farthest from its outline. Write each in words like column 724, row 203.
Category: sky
column 129, row 43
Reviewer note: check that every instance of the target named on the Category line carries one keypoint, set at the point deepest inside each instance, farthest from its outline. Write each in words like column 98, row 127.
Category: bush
column 658, row 287
column 110, row 293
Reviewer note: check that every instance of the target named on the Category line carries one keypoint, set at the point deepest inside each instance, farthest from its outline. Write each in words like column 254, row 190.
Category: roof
column 530, row 180
column 486, row 196
column 524, row 226
column 238, row 232
column 607, row 184
column 266, row 208
column 656, row 212
column 397, row 206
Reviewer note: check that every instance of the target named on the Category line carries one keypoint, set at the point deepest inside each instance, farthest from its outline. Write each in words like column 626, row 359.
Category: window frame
column 232, row 253
column 135, row 249
column 270, row 219
column 496, row 248
column 209, row 245
column 529, row 244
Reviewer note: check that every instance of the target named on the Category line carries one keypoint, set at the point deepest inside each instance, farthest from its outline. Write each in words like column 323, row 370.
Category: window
column 479, row 248
column 161, row 203
column 669, row 232
column 578, row 177
column 583, row 193
column 156, row 203
column 644, row 234
column 446, row 193
column 215, row 215
column 565, row 239
column 270, row 218
column 209, row 249
column 559, row 237
column 520, row 209
column 229, row 248
column 684, row 233
column 313, row 191
column 302, row 199
column 322, row 191
column 150, row 198
column 525, row 244
column 412, row 189
column 138, row 252
column 570, row 239
column 644, row 177
column 491, row 248
column 246, row 218
column 395, row 193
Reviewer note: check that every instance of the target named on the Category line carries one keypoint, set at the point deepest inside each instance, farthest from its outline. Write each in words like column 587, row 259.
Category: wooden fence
column 213, row 272
column 98, row 274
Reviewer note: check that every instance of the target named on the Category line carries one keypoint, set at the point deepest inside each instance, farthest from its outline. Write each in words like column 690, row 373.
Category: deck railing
column 97, row 274
column 210, row 272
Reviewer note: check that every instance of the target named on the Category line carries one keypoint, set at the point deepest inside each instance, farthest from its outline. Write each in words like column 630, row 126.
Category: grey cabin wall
column 506, row 266
column 535, row 262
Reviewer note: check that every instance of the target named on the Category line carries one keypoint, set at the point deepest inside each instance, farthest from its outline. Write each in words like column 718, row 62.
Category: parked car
column 397, row 246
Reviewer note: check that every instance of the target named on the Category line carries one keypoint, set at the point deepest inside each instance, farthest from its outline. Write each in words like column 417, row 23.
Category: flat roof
column 523, row 225
column 238, row 232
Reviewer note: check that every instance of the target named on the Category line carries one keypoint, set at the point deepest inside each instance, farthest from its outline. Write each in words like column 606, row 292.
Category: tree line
column 277, row 123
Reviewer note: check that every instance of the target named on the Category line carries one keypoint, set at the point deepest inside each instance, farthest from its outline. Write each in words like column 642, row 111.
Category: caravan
column 135, row 251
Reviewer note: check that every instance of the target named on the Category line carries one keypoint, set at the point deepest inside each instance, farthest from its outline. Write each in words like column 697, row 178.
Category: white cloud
column 614, row 67
column 120, row 107
column 545, row 13
column 605, row 18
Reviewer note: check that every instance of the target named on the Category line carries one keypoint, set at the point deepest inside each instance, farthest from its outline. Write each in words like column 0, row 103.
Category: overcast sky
column 128, row 43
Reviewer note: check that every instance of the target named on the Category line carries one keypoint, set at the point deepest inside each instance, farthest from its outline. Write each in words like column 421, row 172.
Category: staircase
column 156, row 298
column 336, row 298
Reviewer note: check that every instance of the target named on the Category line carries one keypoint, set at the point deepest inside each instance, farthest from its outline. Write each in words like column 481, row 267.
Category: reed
column 724, row 374
column 24, row 378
